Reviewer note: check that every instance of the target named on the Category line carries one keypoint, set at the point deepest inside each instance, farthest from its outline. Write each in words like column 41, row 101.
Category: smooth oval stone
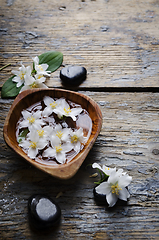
column 73, row 75
column 99, row 198
column 43, row 211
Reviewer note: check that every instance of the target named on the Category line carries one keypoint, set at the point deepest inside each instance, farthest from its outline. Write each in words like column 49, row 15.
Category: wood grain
column 128, row 137
column 117, row 41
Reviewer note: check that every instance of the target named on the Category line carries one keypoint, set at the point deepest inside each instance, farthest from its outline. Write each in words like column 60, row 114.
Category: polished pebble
column 73, row 75
column 99, row 198
column 43, row 211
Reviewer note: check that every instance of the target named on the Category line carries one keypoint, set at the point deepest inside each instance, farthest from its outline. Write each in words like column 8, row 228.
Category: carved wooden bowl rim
column 29, row 97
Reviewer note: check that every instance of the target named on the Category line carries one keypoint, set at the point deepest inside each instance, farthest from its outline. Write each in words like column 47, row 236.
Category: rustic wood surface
column 118, row 43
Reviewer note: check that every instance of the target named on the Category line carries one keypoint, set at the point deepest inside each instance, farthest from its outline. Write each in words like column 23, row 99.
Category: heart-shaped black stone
column 43, row 211
column 73, row 76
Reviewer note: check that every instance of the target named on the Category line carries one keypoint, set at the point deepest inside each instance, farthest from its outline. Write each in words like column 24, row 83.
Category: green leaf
column 53, row 59
column 103, row 178
column 9, row 89
column 22, row 135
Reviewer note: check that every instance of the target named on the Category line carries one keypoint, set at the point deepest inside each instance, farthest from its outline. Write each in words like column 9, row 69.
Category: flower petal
column 23, row 124
column 111, row 199
column 76, row 111
column 47, row 100
column 42, row 144
column 124, row 180
column 24, row 144
column 42, row 85
column 55, row 141
column 61, row 157
column 124, row 194
column 26, row 87
column 49, row 152
column 67, row 147
column 96, row 165
column 36, row 60
column 29, row 79
column 113, row 178
column 47, row 111
column 37, row 114
column 26, row 114
column 32, row 152
column 44, row 66
column 77, row 147
column 103, row 188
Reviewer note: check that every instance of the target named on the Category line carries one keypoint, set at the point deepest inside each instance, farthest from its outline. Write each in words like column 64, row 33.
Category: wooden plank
column 117, row 41
column 128, row 138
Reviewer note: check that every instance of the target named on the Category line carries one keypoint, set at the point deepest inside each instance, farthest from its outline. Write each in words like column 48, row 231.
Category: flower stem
column 5, row 66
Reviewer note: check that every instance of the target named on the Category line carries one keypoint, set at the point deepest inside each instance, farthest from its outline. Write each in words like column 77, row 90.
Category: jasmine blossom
column 55, row 138
column 41, row 68
column 58, row 150
column 104, row 169
column 51, row 105
column 77, row 138
column 33, row 144
column 64, row 110
column 21, row 74
column 31, row 120
column 115, row 187
column 61, row 133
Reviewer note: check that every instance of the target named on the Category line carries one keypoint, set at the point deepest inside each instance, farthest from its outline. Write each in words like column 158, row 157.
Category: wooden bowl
column 29, row 97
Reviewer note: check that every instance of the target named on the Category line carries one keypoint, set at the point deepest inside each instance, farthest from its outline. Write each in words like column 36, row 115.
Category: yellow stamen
column 41, row 133
column 34, row 85
column 74, row 138
column 58, row 148
column 40, row 67
column 53, row 105
column 21, row 75
column 33, row 144
column 31, row 119
column 115, row 188
column 40, row 76
column 59, row 134
column 68, row 110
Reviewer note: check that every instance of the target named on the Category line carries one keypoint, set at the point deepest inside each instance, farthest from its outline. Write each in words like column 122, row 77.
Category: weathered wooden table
column 118, row 43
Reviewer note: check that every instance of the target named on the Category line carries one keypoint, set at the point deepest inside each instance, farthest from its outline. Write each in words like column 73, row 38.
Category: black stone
column 73, row 75
column 43, row 212
column 99, row 198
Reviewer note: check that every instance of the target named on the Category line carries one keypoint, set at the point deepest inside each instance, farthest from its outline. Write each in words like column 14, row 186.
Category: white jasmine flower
column 57, row 150
column 51, row 105
column 104, row 169
column 41, row 68
column 21, row 74
column 40, row 78
column 114, row 188
column 31, row 82
column 77, row 139
column 43, row 132
column 65, row 110
column 33, row 144
column 31, row 120
column 61, row 133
